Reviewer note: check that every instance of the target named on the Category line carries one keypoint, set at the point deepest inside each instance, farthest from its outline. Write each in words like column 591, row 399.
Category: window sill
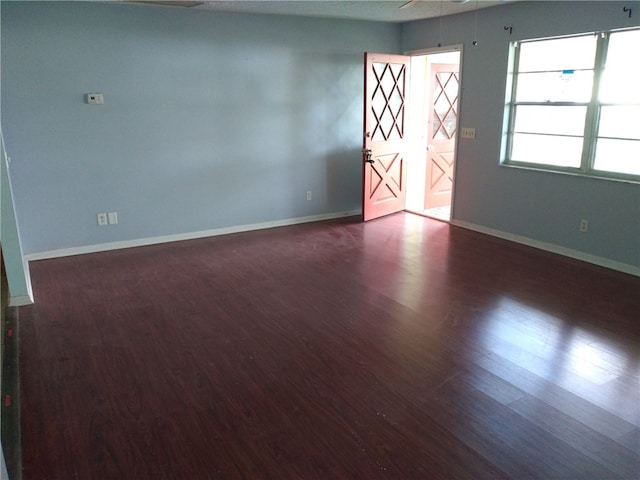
column 572, row 173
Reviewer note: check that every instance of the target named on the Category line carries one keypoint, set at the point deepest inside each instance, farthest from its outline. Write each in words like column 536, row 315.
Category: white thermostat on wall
column 94, row 98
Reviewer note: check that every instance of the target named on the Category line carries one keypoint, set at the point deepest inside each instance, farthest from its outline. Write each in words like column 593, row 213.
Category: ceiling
column 374, row 10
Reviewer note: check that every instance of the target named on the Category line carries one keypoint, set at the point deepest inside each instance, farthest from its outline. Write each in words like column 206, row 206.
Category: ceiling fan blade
column 410, row 3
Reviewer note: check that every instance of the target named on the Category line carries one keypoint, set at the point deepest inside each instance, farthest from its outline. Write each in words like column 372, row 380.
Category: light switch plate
column 468, row 132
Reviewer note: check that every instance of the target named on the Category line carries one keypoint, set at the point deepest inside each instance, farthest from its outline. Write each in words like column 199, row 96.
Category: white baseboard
column 141, row 242
column 20, row 301
column 550, row 247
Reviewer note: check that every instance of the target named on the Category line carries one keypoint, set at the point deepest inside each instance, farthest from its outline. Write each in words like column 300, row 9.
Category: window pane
column 550, row 119
column 622, row 156
column 558, row 54
column 563, row 86
column 620, row 122
column 620, row 85
column 623, row 46
column 621, row 78
column 547, row 150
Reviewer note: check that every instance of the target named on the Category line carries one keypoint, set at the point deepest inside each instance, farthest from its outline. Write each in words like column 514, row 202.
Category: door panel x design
column 386, row 178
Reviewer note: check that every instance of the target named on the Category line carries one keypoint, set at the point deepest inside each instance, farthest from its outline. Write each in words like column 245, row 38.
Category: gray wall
column 545, row 207
column 210, row 120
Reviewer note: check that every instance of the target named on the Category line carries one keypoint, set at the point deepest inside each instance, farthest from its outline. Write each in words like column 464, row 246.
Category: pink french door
column 443, row 120
column 384, row 146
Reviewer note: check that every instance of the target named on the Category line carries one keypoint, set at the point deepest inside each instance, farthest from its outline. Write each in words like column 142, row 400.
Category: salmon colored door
column 386, row 80
column 443, row 119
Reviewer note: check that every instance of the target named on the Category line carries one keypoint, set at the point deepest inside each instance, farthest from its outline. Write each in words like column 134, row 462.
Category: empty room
column 320, row 239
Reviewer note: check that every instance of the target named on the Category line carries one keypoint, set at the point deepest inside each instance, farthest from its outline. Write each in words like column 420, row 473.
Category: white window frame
column 590, row 134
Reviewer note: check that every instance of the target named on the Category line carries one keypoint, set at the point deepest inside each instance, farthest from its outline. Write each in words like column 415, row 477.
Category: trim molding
column 27, row 297
column 141, row 242
column 20, row 301
column 550, row 247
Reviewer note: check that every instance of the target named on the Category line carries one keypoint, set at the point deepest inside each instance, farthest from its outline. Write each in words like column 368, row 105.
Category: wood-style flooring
column 403, row 348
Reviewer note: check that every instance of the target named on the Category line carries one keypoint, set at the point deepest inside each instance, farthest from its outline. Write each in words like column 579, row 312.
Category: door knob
column 367, row 152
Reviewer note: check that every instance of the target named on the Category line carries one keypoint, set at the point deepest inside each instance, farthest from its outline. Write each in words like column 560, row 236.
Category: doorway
column 433, row 114
column 410, row 132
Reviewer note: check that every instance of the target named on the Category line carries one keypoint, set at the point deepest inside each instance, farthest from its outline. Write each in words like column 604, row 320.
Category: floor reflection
column 586, row 362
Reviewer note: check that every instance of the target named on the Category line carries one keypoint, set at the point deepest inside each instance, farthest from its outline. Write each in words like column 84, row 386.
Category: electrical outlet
column 102, row 219
column 113, row 218
column 468, row 132
column 584, row 225
column 309, row 195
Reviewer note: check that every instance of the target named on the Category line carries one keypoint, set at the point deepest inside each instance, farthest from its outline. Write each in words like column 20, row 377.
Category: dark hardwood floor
column 403, row 348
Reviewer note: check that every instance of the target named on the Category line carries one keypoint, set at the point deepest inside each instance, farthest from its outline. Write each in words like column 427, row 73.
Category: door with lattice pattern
column 384, row 151
column 443, row 121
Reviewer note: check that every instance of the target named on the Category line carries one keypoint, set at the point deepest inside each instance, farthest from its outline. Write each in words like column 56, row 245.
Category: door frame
column 459, row 48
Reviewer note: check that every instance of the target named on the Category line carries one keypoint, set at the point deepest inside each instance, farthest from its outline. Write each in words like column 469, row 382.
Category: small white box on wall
column 94, row 98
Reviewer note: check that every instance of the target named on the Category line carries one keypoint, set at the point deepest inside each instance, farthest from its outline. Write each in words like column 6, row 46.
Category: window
column 575, row 105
